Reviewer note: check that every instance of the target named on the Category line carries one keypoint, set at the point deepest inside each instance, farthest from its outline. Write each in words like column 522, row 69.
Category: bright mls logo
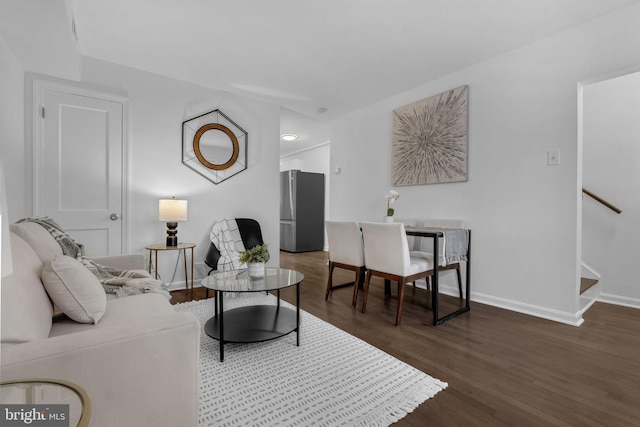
column 35, row 415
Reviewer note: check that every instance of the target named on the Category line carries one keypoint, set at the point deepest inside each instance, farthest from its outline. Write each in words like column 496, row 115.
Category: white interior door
column 79, row 167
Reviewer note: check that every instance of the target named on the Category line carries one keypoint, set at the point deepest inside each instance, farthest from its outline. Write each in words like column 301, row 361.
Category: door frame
column 38, row 85
column 582, row 304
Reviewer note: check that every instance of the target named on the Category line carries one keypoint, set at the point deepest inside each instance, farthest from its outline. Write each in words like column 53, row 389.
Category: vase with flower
column 392, row 196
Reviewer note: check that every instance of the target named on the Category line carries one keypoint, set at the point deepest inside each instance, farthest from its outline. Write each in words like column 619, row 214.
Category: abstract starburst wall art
column 429, row 144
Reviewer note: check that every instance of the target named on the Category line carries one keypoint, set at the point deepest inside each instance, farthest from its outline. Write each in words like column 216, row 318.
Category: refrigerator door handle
column 291, row 195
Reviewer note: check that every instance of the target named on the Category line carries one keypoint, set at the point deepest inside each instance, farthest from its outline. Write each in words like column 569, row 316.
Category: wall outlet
column 553, row 157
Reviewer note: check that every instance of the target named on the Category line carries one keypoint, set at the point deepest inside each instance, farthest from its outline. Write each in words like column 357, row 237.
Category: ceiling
column 318, row 59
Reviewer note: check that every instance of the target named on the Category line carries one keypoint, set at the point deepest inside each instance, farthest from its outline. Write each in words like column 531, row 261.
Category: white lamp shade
column 172, row 210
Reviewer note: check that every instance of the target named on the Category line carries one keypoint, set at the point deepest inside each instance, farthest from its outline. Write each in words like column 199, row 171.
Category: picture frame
column 429, row 142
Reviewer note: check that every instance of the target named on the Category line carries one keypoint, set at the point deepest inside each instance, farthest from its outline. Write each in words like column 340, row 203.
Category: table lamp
column 171, row 211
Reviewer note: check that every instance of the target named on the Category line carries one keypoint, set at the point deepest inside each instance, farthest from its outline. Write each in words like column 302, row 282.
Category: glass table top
column 239, row 280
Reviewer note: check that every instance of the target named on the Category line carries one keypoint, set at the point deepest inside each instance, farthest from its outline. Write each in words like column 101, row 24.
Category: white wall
column 30, row 42
column 12, row 128
column 158, row 106
column 39, row 32
column 523, row 213
column 611, row 169
column 315, row 160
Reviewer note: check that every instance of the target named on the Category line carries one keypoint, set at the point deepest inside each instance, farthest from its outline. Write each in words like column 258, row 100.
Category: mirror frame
column 193, row 157
column 200, row 156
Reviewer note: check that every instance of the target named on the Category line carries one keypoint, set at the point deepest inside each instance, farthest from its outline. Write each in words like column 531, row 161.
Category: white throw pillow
column 74, row 289
column 25, row 312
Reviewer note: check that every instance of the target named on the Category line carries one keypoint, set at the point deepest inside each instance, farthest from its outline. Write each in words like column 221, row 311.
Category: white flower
column 392, row 196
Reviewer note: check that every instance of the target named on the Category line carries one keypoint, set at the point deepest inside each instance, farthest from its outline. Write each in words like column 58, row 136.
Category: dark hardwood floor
column 503, row 368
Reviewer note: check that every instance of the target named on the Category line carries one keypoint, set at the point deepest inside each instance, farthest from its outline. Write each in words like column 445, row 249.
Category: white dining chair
column 409, row 222
column 423, row 247
column 346, row 252
column 386, row 254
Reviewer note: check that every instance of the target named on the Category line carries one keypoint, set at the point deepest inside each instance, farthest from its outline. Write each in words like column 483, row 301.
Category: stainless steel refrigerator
column 301, row 211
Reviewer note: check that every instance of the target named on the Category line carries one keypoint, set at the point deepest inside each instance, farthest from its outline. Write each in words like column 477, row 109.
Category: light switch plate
column 553, row 157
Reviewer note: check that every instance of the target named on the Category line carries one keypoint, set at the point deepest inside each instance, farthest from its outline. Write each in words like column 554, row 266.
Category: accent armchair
column 232, row 236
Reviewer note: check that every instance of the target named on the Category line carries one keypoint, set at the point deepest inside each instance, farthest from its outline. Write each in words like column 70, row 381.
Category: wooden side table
column 154, row 249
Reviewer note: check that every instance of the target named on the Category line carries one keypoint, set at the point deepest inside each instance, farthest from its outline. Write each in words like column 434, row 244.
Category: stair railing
column 601, row 200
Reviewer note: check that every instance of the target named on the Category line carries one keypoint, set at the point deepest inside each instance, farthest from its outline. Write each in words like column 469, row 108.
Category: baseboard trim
column 589, row 297
column 573, row 319
column 519, row 307
column 182, row 285
column 619, row 300
column 532, row 310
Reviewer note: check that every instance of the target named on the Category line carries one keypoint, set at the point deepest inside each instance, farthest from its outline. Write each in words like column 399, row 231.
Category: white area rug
column 332, row 379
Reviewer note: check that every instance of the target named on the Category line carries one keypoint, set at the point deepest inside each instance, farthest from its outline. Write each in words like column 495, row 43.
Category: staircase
column 586, row 283
column 589, row 282
column 589, row 287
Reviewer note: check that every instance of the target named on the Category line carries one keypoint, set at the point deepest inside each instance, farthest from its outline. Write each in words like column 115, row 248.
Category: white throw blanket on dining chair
column 455, row 245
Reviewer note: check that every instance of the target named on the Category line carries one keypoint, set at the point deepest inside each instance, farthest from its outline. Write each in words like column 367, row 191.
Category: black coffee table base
column 253, row 323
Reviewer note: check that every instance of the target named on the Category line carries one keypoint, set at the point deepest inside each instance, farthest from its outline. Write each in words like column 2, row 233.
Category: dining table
column 437, row 233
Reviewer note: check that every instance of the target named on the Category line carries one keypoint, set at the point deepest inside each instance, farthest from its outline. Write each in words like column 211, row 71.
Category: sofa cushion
column 120, row 311
column 44, row 245
column 26, row 308
column 74, row 289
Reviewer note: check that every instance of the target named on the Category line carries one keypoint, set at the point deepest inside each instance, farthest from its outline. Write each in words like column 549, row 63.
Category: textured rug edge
column 400, row 408
column 394, row 409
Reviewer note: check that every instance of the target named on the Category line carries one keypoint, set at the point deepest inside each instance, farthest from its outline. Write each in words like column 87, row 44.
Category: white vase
column 255, row 269
column 388, row 218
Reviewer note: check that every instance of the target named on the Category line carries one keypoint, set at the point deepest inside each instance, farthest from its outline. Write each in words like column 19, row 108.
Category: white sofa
column 138, row 363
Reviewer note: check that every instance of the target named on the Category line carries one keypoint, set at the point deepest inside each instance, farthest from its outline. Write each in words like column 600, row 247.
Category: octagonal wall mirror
column 214, row 146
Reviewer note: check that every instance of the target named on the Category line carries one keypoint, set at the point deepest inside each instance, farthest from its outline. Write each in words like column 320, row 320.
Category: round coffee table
column 253, row 323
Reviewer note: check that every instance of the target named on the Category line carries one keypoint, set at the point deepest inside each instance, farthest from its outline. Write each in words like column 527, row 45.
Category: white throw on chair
column 345, row 251
column 386, row 254
column 423, row 247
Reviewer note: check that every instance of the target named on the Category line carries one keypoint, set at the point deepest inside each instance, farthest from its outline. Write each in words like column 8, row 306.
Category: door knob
column 114, row 216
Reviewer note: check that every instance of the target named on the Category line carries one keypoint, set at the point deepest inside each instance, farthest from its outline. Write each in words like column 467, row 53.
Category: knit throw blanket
column 456, row 245
column 115, row 281
column 226, row 236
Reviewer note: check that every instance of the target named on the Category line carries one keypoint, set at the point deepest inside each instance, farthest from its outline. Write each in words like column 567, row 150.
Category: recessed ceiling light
column 289, row 136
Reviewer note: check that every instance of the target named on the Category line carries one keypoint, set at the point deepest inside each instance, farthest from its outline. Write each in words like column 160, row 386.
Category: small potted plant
column 255, row 259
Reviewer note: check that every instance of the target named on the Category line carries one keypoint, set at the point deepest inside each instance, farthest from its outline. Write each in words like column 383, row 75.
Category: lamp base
column 172, row 230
